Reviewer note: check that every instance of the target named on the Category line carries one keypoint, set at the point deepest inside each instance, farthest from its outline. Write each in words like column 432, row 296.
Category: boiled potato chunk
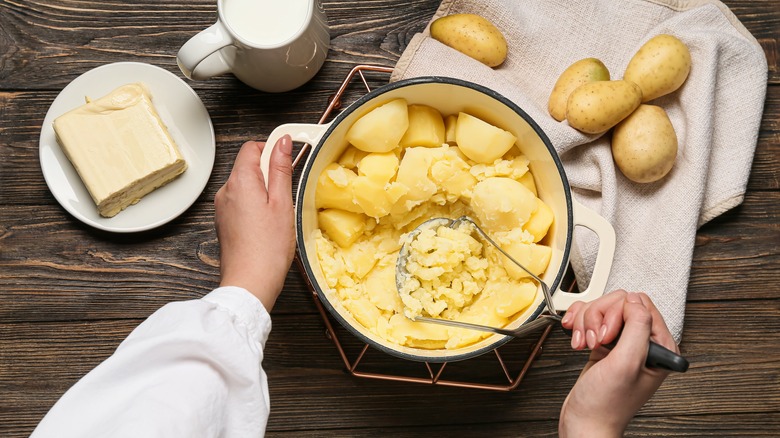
column 659, row 67
column 472, row 35
column 334, row 189
column 532, row 256
column 382, row 292
column 581, row 72
column 540, row 221
column 644, row 145
column 381, row 129
column 449, row 129
column 595, row 107
column 502, row 204
column 460, row 337
column 480, row 141
column 426, row 127
column 413, row 173
column 376, row 198
column 404, row 328
column 380, row 168
column 364, row 312
column 360, row 257
column 452, row 175
column 515, row 298
column 528, row 181
column 343, row 227
column 351, row 157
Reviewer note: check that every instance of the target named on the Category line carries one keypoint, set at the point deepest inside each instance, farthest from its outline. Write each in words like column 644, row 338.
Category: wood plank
column 764, row 174
column 42, row 360
column 59, row 39
column 56, row 40
column 730, row 260
column 755, row 425
column 752, row 425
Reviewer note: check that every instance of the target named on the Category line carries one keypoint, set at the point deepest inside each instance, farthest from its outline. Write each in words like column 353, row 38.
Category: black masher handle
column 657, row 356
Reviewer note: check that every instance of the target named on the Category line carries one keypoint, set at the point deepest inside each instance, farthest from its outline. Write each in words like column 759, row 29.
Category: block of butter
column 120, row 147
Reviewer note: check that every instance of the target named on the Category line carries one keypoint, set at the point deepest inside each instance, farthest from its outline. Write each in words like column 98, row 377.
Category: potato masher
column 657, row 356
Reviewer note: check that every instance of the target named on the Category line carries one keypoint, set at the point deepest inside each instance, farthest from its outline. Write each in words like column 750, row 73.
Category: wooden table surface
column 70, row 293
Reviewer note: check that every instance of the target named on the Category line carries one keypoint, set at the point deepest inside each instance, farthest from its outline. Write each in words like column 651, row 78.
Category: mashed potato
column 369, row 201
column 446, row 271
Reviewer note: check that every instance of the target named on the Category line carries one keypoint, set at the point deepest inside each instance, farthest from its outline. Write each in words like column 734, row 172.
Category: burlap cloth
column 716, row 115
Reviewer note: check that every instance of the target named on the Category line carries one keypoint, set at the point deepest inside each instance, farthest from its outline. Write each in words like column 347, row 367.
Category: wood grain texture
column 303, row 365
column 69, row 294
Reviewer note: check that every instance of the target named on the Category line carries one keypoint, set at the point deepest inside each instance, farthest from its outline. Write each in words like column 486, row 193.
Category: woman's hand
column 254, row 225
column 614, row 384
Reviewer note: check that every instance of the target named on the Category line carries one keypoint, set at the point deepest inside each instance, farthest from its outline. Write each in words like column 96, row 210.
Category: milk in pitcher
column 266, row 22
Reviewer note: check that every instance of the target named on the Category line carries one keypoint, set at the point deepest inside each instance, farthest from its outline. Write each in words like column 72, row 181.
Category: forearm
column 177, row 374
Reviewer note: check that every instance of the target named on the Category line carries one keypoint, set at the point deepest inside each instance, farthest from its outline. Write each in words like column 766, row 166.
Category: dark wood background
column 69, row 293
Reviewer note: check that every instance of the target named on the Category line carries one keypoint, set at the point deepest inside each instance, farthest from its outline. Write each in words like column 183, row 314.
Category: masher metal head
column 657, row 355
column 402, row 275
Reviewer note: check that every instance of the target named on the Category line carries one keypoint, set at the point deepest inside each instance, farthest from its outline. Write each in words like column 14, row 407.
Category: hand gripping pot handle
column 588, row 218
column 301, row 132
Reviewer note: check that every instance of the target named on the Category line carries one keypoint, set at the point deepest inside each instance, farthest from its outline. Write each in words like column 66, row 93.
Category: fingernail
column 576, row 338
column 633, row 297
column 285, row 144
column 590, row 338
column 566, row 318
column 602, row 332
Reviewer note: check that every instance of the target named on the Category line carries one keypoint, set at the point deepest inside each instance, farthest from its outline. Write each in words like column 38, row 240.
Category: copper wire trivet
column 358, row 357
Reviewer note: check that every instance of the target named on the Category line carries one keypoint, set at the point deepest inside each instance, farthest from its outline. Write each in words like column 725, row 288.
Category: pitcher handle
column 199, row 57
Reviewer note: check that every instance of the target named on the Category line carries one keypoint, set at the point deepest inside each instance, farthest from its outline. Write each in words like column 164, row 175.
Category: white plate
column 188, row 123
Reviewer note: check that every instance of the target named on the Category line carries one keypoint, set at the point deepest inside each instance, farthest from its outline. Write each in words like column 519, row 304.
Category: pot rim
column 305, row 174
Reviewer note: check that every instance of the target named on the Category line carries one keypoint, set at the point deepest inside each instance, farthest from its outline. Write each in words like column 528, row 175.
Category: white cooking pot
column 450, row 96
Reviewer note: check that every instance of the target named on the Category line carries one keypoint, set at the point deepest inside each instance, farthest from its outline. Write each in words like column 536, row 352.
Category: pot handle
column 302, row 132
column 588, row 218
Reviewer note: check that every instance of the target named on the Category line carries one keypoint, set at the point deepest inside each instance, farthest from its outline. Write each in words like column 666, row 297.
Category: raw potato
column 581, row 72
column 381, row 129
column 473, row 36
column 659, row 67
column 426, row 127
column 595, row 107
column 481, row 141
column 644, row 145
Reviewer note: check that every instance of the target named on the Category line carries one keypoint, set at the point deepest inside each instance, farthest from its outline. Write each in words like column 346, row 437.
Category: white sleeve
column 192, row 369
